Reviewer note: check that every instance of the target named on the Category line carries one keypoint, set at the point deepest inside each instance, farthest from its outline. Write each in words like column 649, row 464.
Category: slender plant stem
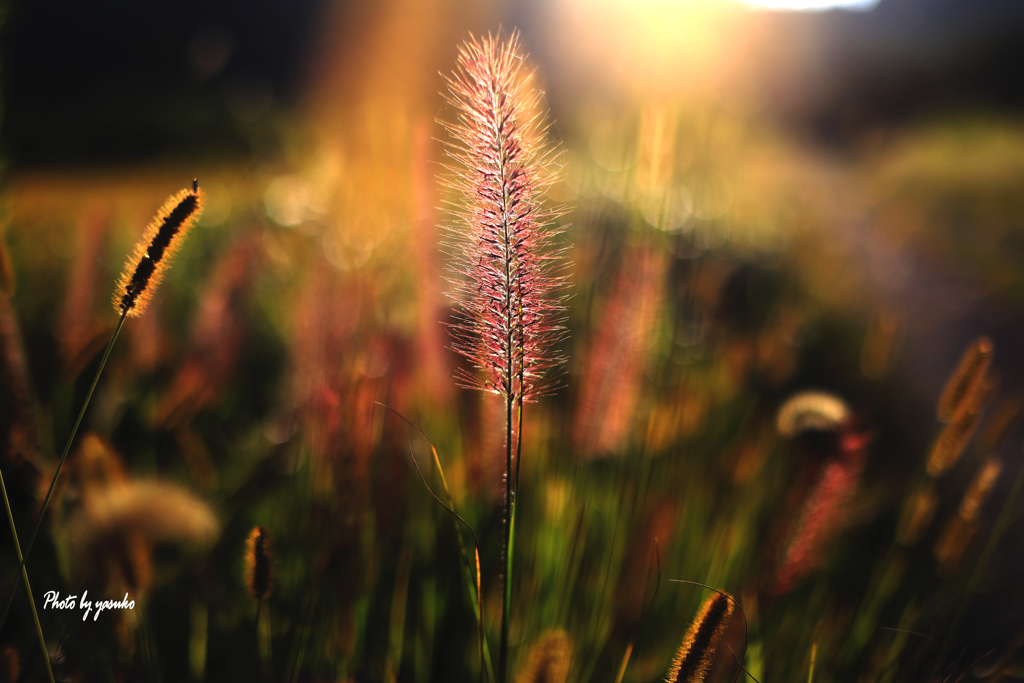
column 507, row 545
column 263, row 637
column 514, row 503
column 509, row 398
column 24, row 575
column 63, row 457
column 471, row 572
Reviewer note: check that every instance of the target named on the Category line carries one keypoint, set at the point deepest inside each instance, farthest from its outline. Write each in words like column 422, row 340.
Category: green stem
column 24, row 575
column 506, row 601
column 469, row 571
column 510, row 550
column 63, row 457
column 263, row 636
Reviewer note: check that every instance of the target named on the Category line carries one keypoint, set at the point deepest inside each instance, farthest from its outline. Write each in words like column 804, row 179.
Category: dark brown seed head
column 257, row 564
column 697, row 652
column 153, row 253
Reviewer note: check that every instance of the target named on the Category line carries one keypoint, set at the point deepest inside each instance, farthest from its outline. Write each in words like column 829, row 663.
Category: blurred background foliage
column 759, row 203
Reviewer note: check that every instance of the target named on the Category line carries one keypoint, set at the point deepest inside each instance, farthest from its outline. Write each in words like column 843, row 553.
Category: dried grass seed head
column 154, row 251
column 951, row 442
column 978, row 492
column 549, row 659
column 158, row 511
column 258, row 556
column 500, row 245
column 696, row 654
column 111, row 521
column 969, row 373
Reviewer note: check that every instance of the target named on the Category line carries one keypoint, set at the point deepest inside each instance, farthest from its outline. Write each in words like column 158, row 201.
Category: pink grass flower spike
column 510, row 319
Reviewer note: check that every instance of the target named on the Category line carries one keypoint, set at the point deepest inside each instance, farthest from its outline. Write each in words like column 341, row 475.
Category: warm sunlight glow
column 813, row 5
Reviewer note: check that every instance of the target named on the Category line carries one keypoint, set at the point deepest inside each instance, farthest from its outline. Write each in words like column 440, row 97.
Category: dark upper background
column 119, row 81
column 124, row 81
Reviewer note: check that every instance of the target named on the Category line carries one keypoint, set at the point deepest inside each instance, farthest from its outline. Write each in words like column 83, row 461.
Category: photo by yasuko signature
column 54, row 601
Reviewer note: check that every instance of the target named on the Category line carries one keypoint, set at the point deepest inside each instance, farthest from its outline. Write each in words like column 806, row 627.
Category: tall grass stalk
column 471, row 573
column 140, row 278
column 53, row 482
column 24, row 575
column 509, row 321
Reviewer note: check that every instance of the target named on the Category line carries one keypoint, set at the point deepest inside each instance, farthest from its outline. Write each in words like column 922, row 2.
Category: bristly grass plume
column 154, row 251
column 696, row 654
column 510, row 316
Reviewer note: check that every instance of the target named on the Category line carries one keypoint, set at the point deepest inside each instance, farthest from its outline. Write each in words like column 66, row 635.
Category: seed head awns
column 258, row 556
column 697, row 653
column 501, row 244
column 153, row 253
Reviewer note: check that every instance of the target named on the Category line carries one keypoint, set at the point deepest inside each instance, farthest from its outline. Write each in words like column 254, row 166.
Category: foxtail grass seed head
column 154, row 251
column 548, row 661
column 952, row 543
column 811, row 410
column 510, row 319
column 957, row 433
column 258, row 556
column 917, row 514
column 156, row 511
column 971, row 369
column 979, row 490
column 697, row 653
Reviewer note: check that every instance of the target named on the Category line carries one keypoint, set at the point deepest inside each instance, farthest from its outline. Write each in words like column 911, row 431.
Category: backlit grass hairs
column 155, row 250
column 695, row 656
column 510, row 321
